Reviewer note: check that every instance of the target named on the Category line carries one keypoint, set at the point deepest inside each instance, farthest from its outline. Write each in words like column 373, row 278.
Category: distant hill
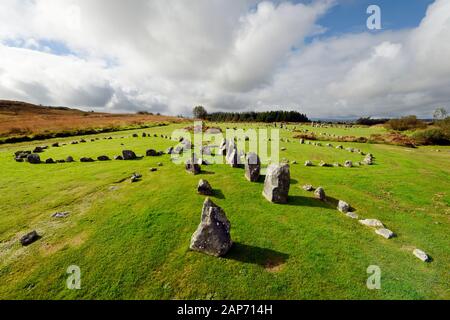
column 8, row 107
column 22, row 119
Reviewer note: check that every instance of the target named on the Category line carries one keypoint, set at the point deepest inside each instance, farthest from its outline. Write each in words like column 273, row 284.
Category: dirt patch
column 274, row 265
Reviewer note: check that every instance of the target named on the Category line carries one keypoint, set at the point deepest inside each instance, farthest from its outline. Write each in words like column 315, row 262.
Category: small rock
column 103, row 158
column 118, row 158
column 308, row 188
column 129, row 155
column 33, row 158
column 343, row 206
column 421, row 255
column 69, row 159
column 136, row 177
column 49, row 161
column 348, row 164
column 385, row 233
column 85, row 159
column 153, row 169
column 151, row 153
column 60, row 214
column 374, row 223
column 160, row 164
column 308, row 163
column 352, row 215
column 320, row 194
column 29, row 238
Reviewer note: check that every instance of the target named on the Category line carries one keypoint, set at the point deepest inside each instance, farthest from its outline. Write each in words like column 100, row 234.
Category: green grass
column 132, row 242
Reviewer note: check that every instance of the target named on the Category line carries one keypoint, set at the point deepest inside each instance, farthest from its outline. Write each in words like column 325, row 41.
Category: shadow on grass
column 329, row 203
column 207, row 172
column 266, row 258
column 217, row 193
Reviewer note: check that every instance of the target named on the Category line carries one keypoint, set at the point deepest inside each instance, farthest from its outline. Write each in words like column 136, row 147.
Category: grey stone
column 38, row 150
column 232, row 157
column 192, row 167
column 308, row 188
column 343, row 206
column 29, row 238
column 421, row 255
column 352, row 215
column 151, row 153
column 103, row 158
column 60, row 214
column 320, row 194
column 69, row 159
column 385, row 233
column 129, row 155
column 308, row 163
column 374, row 223
column 85, row 159
column 50, row 161
column 135, row 177
column 118, row 158
column 33, row 158
column 204, row 188
column 213, row 233
column 277, row 183
column 348, row 164
column 252, row 167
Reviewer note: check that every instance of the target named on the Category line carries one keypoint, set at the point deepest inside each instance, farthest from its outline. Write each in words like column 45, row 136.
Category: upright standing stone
column 277, row 183
column 213, row 233
column 232, row 157
column 252, row 167
column 192, row 167
column 204, row 188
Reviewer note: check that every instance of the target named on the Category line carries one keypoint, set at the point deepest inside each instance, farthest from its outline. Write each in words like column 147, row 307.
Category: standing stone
column 252, row 167
column 213, row 233
column 223, row 147
column 277, row 183
column 192, row 167
column 50, row 161
column 232, row 157
column 343, row 206
column 308, row 163
column 70, row 159
column 85, row 159
column 129, row 155
column 348, row 164
column 34, row 158
column 320, row 194
column 204, row 188
column 421, row 255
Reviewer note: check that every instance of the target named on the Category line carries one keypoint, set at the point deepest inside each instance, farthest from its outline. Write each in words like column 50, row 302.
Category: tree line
column 252, row 116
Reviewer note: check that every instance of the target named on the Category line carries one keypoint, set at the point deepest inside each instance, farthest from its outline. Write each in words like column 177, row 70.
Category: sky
column 314, row 56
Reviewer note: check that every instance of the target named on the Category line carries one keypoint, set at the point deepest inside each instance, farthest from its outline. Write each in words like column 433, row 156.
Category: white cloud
column 168, row 55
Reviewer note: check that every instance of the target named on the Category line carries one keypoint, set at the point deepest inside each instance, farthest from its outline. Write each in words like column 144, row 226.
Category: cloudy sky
column 166, row 56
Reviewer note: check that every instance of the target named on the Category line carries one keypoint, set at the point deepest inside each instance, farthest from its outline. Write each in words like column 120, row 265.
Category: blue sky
column 349, row 16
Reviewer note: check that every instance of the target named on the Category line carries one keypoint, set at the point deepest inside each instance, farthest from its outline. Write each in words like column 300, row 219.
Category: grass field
column 132, row 241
